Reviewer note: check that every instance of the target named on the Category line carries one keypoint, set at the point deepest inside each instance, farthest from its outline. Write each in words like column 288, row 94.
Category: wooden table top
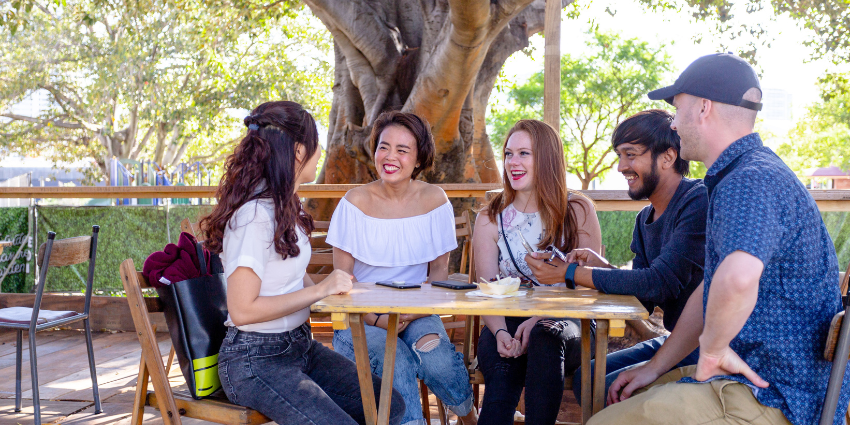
column 4, row 244
column 542, row 301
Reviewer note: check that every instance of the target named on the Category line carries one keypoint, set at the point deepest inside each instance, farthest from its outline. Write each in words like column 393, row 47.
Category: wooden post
column 552, row 65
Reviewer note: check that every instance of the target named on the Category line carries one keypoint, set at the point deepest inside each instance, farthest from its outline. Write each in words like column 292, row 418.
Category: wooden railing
column 606, row 200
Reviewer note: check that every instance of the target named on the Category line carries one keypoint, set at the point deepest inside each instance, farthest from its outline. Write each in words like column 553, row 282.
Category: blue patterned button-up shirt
column 757, row 205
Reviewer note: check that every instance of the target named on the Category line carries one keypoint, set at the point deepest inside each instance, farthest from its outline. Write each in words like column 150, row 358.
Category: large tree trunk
column 437, row 58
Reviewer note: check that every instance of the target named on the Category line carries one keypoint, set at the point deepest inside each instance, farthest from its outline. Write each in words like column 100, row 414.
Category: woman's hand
column 507, row 346
column 337, row 283
column 383, row 321
column 523, row 333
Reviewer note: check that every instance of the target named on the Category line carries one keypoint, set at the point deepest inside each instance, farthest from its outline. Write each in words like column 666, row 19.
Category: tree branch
column 135, row 152
column 372, row 48
column 54, row 123
column 215, row 151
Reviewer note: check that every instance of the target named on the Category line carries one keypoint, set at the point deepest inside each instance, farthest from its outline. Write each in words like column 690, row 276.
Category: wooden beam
column 605, row 200
column 552, row 64
column 462, row 190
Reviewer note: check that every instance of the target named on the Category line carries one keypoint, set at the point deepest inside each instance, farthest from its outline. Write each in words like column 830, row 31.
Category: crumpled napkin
column 478, row 293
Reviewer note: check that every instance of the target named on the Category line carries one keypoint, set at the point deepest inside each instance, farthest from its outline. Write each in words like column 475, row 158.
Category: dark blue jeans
column 622, row 360
column 552, row 352
column 293, row 379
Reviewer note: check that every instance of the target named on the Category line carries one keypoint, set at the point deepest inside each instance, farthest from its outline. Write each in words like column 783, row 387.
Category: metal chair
column 63, row 252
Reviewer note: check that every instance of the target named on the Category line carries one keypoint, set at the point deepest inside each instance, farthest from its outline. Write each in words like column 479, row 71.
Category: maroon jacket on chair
column 175, row 263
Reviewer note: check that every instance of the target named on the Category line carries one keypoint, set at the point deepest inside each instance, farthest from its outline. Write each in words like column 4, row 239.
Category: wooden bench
column 172, row 404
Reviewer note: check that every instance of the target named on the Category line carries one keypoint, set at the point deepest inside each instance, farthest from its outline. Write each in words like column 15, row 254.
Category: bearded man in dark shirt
column 668, row 239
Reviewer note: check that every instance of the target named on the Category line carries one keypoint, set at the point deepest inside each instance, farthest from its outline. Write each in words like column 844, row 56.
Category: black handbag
column 195, row 310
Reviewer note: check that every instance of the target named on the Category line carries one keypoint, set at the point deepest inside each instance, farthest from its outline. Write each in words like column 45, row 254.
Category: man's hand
column 523, row 333
column 726, row 362
column 547, row 273
column 587, row 258
column 630, row 381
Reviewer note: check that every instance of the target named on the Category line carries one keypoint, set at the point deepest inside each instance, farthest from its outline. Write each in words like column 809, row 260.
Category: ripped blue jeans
column 441, row 369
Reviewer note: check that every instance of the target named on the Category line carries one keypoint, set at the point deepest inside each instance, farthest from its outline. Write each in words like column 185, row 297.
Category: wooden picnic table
column 609, row 311
column 3, row 245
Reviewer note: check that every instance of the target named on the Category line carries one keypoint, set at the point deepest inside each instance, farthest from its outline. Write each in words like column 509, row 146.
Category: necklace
column 525, row 207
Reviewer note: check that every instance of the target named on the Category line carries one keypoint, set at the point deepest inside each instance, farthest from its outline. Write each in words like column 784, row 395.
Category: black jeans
column 293, row 379
column 552, row 353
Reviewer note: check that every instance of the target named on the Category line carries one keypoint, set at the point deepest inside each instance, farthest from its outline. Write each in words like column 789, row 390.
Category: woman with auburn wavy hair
column 533, row 353
column 269, row 360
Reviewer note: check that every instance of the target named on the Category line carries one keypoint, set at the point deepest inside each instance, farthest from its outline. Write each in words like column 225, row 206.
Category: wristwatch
column 570, row 275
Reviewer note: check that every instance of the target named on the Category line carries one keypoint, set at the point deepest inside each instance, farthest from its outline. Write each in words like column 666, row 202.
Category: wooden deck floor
column 65, row 386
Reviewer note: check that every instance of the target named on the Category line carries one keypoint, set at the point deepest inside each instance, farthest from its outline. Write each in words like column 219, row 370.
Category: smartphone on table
column 399, row 285
column 451, row 284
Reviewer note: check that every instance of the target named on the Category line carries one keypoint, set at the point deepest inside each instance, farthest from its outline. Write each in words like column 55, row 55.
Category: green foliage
column 838, row 226
column 822, row 137
column 13, row 228
column 125, row 232
column 597, row 92
column 617, row 230
column 156, row 79
column 828, row 20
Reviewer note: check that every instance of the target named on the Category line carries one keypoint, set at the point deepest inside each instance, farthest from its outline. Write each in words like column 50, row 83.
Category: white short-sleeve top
column 392, row 249
column 248, row 243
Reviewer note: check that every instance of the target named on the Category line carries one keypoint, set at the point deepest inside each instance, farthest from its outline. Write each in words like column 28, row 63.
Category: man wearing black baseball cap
column 770, row 286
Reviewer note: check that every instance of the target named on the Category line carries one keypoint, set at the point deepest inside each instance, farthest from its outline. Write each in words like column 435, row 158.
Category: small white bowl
column 505, row 286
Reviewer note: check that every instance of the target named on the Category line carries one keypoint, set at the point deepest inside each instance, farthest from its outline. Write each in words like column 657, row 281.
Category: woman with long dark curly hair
column 269, row 360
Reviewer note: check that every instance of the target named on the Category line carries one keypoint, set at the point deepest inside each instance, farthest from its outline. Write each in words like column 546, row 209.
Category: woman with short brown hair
column 400, row 229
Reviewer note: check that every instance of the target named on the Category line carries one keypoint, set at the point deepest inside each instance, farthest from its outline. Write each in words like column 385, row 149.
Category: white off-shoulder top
column 392, row 249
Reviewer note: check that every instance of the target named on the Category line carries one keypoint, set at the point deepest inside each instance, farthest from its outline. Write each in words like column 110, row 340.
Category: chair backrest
column 193, row 229
column 463, row 229
column 67, row 252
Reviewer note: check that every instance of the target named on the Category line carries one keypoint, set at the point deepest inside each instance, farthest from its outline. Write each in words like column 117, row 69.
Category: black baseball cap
column 721, row 77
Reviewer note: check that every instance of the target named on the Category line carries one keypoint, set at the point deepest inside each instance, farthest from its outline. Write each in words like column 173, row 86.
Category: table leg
column 599, row 372
column 389, row 368
column 364, row 370
column 586, row 399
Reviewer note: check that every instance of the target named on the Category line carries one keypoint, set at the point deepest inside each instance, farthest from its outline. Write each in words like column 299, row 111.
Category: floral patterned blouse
column 531, row 227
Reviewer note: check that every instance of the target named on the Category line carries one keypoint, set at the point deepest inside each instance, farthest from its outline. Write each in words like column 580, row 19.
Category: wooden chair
column 322, row 258
column 53, row 253
column 463, row 230
column 172, row 404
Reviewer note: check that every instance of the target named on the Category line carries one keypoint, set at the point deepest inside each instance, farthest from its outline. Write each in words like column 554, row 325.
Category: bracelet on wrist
column 502, row 330
column 569, row 276
column 377, row 317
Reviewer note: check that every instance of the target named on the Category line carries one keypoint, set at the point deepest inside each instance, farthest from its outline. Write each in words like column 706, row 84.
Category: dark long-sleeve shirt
column 669, row 254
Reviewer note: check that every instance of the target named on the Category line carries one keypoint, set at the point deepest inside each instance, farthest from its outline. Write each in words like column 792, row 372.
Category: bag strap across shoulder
column 511, row 254
column 202, row 264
